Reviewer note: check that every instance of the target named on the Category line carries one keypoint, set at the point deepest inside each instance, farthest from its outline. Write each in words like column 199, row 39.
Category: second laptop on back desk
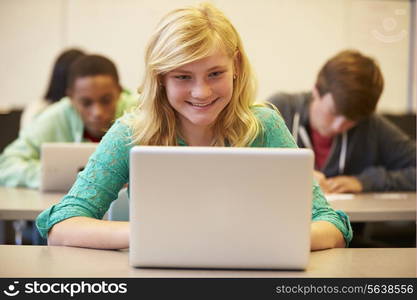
column 61, row 162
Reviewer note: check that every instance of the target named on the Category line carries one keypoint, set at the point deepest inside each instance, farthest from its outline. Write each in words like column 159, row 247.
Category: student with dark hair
column 95, row 99
column 57, row 86
column 355, row 149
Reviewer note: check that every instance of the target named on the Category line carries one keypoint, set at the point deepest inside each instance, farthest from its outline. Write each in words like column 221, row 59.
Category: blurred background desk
column 17, row 205
column 379, row 219
column 24, row 204
column 376, row 206
column 49, row 261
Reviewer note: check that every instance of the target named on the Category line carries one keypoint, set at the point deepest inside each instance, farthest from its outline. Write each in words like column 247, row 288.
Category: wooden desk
column 48, row 261
column 24, row 204
column 369, row 207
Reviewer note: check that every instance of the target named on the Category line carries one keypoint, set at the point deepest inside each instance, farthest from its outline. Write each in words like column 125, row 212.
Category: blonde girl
column 198, row 90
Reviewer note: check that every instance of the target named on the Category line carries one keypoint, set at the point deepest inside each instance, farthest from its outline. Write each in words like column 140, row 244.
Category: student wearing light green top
column 198, row 90
column 95, row 99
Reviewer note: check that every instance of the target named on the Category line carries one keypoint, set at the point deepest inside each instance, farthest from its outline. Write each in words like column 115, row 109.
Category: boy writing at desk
column 355, row 149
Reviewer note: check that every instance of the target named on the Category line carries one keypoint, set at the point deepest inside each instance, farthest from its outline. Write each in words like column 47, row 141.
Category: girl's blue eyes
column 188, row 77
column 216, row 74
column 183, row 77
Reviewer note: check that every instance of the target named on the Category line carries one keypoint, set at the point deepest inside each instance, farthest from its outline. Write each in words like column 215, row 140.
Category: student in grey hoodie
column 355, row 149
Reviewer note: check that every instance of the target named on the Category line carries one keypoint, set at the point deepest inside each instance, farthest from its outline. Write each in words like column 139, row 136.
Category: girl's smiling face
column 200, row 90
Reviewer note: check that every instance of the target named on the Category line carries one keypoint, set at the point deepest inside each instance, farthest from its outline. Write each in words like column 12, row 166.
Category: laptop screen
column 213, row 207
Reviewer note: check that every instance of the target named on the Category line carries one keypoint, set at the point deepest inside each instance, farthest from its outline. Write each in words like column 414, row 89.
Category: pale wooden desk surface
column 47, row 261
column 379, row 207
column 24, row 204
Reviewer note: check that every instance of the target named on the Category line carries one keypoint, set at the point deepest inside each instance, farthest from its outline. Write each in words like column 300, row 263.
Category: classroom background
column 286, row 40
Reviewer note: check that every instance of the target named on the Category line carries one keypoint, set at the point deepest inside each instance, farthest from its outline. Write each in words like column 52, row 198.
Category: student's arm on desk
column 90, row 233
column 325, row 235
column 77, row 219
column 338, row 184
column 101, row 234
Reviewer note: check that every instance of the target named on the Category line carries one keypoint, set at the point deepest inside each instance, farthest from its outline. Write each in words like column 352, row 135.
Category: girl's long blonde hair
column 184, row 36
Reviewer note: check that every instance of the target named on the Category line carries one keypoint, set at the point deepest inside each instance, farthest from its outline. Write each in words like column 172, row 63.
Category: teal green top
column 59, row 122
column 107, row 171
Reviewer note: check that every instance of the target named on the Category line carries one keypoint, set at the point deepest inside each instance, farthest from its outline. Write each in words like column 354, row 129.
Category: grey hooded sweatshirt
column 375, row 151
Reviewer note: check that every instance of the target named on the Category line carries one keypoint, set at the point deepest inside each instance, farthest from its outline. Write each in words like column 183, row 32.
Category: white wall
column 287, row 40
column 30, row 38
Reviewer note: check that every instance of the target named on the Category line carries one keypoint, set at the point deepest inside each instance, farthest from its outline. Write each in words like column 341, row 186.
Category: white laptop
column 61, row 162
column 220, row 207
